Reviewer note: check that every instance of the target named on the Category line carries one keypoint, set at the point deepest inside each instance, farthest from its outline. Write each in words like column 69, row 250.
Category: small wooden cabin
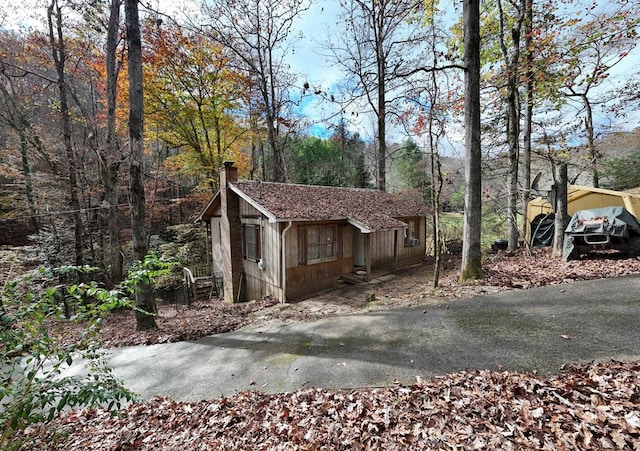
column 291, row 241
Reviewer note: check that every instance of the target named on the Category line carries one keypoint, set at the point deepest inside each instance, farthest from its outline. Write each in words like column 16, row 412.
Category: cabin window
column 412, row 235
column 251, row 238
column 319, row 244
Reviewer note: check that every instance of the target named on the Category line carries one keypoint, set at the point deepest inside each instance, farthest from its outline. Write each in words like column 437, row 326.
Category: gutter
column 284, row 263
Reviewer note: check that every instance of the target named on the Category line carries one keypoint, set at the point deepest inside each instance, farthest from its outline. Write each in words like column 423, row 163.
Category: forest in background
column 221, row 88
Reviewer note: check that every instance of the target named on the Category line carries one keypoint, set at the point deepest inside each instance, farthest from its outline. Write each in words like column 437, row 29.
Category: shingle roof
column 371, row 209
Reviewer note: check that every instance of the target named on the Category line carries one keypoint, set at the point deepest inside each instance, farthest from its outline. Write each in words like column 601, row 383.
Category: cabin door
column 358, row 249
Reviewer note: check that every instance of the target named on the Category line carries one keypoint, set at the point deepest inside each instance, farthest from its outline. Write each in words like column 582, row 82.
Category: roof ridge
column 312, row 186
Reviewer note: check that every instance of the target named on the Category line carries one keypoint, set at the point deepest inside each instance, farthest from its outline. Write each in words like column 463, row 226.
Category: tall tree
column 259, row 33
column 336, row 161
column 592, row 46
column 15, row 117
column 145, row 302
column 352, row 169
column 511, row 24
column 434, row 99
column 379, row 50
column 471, row 253
column 527, row 126
column 435, row 127
column 59, row 53
column 110, row 160
column 505, row 22
column 411, row 164
column 622, row 172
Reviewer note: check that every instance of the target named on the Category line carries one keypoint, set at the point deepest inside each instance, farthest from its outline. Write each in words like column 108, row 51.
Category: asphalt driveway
column 530, row 330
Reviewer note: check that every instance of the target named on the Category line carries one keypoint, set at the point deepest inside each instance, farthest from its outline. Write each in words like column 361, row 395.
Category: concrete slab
column 529, row 330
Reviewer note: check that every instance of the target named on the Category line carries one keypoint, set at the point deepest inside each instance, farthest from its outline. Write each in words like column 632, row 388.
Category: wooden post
column 367, row 254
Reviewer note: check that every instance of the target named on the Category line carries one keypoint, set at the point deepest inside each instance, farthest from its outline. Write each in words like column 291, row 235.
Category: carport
column 540, row 215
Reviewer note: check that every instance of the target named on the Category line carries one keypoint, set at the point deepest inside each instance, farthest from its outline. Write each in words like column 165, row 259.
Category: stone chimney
column 231, row 234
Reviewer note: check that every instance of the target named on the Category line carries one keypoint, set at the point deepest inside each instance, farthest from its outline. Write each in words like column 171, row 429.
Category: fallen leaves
column 593, row 406
column 585, row 407
column 542, row 268
column 175, row 323
column 410, row 288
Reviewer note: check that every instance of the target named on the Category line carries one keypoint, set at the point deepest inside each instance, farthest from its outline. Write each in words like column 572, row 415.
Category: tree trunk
column 471, row 252
column 528, row 116
column 273, row 112
column 591, row 145
column 437, row 183
column 382, row 124
column 512, row 178
column 110, row 163
column 56, row 40
column 511, row 58
column 279, row 170
column 144, row 294
column 561, row 205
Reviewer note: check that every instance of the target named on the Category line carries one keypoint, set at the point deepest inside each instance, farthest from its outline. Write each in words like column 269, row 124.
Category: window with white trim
column 412, row 235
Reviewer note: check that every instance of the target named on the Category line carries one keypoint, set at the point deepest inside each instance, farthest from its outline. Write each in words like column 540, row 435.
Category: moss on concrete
column 497, row 322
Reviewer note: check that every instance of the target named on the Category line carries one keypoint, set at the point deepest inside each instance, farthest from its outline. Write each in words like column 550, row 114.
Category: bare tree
column 436, row 130
column 592, row 48
column 109, row 160
column 379, row 51
column 433, row 105
column 511, row 25
column 59, row 53
column 259, row 32
column 528, row 112
column 471, row 252
column 144, row 294
column 14, row 116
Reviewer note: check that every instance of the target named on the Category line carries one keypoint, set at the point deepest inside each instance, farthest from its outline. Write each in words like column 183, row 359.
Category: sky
column 322, row 20
column 307, row 60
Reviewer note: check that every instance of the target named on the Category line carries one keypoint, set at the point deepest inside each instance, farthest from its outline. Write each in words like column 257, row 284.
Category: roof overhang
column 270, row 216
column 207, row 212
column 363, row 228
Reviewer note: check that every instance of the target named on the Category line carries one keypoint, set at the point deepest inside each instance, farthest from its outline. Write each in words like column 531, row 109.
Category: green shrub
column 185, row 244
column 33, row 364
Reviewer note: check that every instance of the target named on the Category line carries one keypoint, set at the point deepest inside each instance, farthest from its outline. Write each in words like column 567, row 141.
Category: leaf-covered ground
column 411, row 287
column 594, row 406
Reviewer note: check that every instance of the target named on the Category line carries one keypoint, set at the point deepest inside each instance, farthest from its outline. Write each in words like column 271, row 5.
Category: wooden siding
column 345, row 240
column 266, row 282
column 305, row 280
column 256, row 283
column 412, row 255
column 381, row 250
column 386, row 250
column 247, row 210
